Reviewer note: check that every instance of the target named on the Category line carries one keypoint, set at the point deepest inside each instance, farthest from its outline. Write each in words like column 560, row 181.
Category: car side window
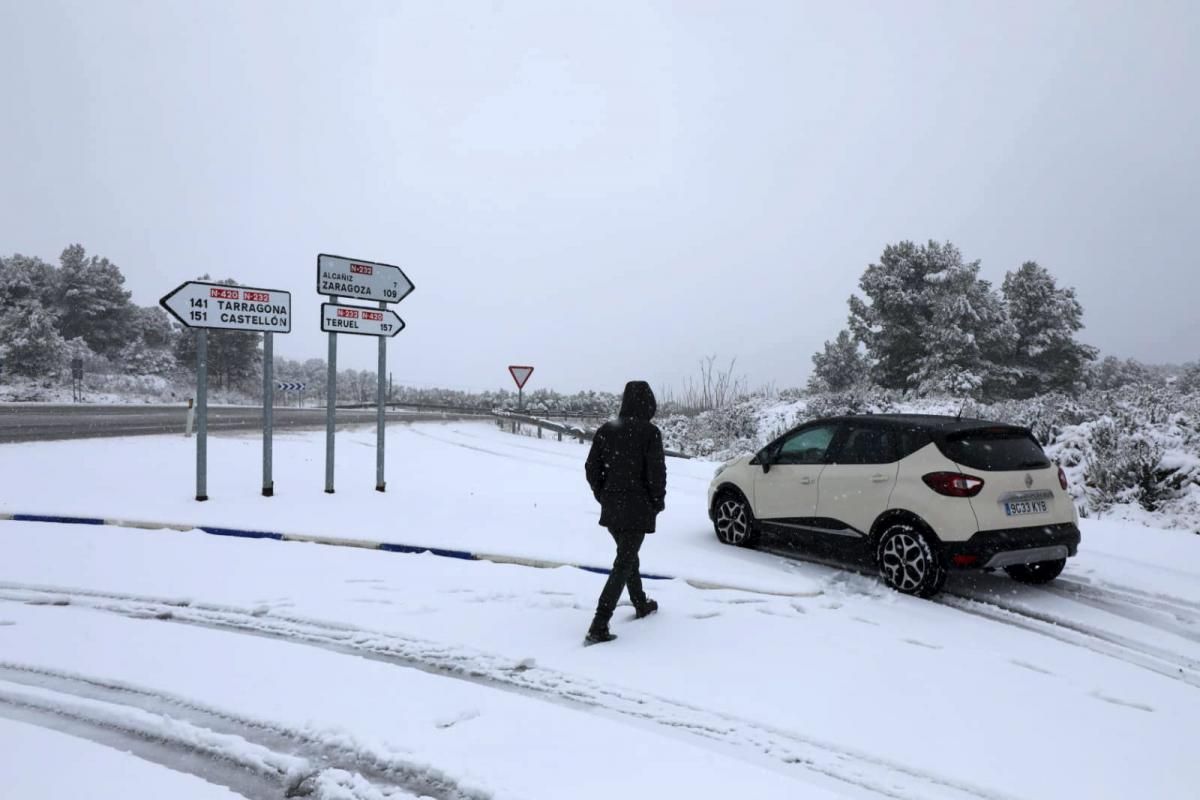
column 867, row 444
column 805, row 447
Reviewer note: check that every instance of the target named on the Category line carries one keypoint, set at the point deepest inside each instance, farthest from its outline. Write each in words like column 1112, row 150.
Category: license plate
column 1020, row 508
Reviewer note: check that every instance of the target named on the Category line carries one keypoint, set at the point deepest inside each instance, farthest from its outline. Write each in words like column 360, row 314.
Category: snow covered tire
column 733, row 520
column 907, row 562
column 1037, row 572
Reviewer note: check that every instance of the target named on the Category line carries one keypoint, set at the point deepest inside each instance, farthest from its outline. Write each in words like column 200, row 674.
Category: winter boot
column 598, row 635
column 645, row 609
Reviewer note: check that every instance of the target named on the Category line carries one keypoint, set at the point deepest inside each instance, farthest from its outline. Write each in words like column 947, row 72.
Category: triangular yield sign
column 520, row 375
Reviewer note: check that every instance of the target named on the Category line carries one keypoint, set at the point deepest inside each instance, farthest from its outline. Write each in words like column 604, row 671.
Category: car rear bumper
column 1002, row 548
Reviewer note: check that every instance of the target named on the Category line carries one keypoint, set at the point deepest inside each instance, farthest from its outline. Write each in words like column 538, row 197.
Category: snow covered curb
column 388, row 547
column 366, row 544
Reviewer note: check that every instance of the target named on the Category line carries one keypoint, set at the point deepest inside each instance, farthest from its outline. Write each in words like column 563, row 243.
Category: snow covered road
column 339, row 672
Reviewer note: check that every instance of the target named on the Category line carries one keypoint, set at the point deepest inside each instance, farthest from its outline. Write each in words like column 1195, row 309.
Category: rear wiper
column 1033, row 464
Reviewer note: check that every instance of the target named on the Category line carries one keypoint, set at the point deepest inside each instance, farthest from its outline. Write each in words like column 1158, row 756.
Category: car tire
column 734, row 521
column 908, row 563
column 1037, row 572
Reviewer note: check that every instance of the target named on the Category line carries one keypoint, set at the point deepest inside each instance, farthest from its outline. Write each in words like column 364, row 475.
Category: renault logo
column 1028, row 480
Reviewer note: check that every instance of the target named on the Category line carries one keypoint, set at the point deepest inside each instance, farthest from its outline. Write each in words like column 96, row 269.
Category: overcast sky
column 611, row 190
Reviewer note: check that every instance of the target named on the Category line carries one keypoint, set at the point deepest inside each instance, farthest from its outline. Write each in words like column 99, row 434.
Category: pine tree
column 931, row 323
column 23, row 278
column 150, row 350
column 234, row 357
column 1046, row 356
column 1189, row 378
column 30, row 344
column 839, row 366
column 92, row 301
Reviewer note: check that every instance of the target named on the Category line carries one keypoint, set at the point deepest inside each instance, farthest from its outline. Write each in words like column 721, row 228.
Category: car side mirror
column 766, row 465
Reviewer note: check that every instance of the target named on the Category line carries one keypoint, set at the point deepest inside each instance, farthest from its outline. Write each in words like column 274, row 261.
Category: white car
column 915, row 495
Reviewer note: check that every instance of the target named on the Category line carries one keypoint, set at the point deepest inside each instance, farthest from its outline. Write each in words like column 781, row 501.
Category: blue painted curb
column 389, row 547
column 242, row 534
column 64, row 520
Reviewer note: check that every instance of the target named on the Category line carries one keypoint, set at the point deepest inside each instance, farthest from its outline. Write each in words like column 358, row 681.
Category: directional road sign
column 363, row 280
column 235, row 308
column 364, row 321
column 520, row 375
column 290, row 387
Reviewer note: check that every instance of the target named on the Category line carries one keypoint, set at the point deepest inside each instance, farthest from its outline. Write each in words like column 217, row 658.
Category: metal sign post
column 341, row 277
column 268, row 486
column 218, row 306
column 330, row 406
column 202, row 415
column 380, row 483
column 77, row 379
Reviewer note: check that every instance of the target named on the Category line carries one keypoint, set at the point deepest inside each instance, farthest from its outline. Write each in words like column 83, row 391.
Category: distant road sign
column 235, row 308
column 290, row 387
column 363, row 321
column 363, row 280
column 520, row 375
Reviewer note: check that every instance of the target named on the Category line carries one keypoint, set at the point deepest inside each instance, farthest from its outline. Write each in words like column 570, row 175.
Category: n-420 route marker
column 208, row 306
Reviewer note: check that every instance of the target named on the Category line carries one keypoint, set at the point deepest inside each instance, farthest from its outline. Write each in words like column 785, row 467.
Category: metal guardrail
column 558, row 414
column 561, row 429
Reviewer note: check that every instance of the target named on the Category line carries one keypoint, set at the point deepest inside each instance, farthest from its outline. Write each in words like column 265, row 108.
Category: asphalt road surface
column 27, row 423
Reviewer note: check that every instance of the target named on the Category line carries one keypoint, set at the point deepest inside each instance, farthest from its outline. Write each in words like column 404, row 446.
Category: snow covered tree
column 30, row 344
column 1189, row 378
column 1046, row 356
column 92, row 301
column 839, row 366
column 234, row 357
column 150, row 349
column 23, row 277
column 1113, row 373
column 931, row 323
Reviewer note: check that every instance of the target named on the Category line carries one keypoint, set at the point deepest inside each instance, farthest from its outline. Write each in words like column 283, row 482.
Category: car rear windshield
column 995, row 450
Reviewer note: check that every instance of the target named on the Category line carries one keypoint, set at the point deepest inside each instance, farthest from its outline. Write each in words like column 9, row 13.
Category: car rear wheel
column 733, row 521
column 907, row 563
column 1037, row 572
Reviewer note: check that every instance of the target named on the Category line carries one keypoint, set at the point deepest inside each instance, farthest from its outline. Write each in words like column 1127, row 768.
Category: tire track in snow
column 1126, row 602
column 251, row 771
column 1136, row 653
column 274, row 755
column 1184, row 610
column 867, row 774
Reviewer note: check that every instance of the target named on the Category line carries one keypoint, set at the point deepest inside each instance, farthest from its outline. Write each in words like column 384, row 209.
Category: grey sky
column 611, row 190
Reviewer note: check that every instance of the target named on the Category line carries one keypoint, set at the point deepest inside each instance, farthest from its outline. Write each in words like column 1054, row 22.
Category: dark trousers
column 624, row 574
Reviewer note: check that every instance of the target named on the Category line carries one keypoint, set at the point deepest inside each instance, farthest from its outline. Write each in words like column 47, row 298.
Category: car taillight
column 1062, row 478
column 953, row 484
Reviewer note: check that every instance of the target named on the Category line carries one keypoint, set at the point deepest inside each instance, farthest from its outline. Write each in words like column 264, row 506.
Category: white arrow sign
column 364, row 280
column 234, row 308
column 363, row 321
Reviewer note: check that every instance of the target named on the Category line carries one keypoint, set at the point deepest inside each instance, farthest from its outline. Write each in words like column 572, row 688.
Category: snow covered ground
column 267, row 667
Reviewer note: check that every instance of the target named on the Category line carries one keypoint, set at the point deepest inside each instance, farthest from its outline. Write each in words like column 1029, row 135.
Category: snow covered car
column 914, row 495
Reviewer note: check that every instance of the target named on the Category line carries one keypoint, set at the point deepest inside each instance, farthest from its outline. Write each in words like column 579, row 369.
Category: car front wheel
column 1037, row 572
column 733, row 521
column 907, row 563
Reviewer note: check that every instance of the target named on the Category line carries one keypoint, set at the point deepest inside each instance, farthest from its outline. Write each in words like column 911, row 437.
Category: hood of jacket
column 638, row 402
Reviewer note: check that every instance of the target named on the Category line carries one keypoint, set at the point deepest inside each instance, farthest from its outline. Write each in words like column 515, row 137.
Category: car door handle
column 880, row 478
column 806, row 481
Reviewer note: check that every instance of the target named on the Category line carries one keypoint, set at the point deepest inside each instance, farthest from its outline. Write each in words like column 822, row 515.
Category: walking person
column 628, row 475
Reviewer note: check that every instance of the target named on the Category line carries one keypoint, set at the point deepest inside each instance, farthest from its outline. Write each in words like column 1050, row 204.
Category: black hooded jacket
column 626, row 468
